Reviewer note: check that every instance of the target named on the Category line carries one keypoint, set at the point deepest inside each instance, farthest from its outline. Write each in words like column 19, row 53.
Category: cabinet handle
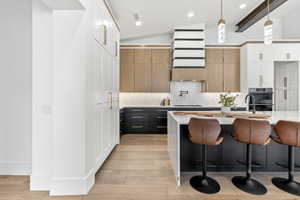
column 160, row 110
column 285, row 82
column 162, row 127
column 285, row 94
column 137, row 126
column 105, row 34
column 136, row 110
column 137, row 117
column 116, row 48
column 261, row 81
column 161, row 117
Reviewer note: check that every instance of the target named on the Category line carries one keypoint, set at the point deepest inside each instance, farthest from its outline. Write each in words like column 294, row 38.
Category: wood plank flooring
column 139, row 169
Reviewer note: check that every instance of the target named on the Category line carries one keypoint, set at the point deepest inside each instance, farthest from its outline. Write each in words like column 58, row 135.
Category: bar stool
column 250, row 132
column 205, row 132
column 288, row 134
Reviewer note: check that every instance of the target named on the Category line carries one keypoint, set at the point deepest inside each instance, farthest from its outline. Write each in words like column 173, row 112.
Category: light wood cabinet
column 231, row 70
column 215, row 70
column 189, row 74
column 160, row 70
column 223, row 70
column 127, row 70
column 145, row 70
column 142, row 70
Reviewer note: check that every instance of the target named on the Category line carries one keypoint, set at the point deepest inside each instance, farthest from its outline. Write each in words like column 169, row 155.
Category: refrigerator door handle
column 285, row 94
column 285, row 82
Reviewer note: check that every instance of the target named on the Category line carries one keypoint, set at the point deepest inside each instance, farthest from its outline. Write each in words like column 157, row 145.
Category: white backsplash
column 154, row 99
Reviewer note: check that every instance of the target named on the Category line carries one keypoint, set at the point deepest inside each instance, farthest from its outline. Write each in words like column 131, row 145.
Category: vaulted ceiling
column 161, row 16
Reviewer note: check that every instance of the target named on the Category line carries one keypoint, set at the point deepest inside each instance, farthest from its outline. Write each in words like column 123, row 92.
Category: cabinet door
column 189, row 74
column 267, row 73
column 231, row 70
column 127, row 70
column 160, row 70
column 231, row 77
column 142, row 70
column 254, row 77
column 215, row 72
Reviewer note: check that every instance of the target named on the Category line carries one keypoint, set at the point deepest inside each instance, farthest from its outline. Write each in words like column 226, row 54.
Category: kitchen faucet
column 183, row 92
column 253, row 102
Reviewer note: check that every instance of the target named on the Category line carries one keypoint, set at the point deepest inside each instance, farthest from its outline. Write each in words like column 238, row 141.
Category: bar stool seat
column 205, row 132
column 288, row 134
column 251, row 132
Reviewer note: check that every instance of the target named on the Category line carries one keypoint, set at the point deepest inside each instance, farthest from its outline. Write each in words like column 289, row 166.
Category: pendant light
column 221, row 27
column 268, row 28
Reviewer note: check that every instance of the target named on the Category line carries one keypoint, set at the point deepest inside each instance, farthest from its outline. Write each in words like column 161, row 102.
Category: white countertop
column 276, row 116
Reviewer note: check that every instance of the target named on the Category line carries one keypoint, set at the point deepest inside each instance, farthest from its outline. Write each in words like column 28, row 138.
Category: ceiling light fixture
column 221, row 27
column 138, row 22
column 190, row 14
column 268, row 28
column 243, row 6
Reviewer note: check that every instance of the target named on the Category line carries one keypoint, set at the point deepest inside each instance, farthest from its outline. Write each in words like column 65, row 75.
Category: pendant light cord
column 221, row 9
column 268, row 9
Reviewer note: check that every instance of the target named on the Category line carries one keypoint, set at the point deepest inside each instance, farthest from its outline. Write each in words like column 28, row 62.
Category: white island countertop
column 275, row 117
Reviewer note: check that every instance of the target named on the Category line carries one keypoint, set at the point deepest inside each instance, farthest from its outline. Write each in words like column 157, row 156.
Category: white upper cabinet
column 285, row 52
column 257, row 63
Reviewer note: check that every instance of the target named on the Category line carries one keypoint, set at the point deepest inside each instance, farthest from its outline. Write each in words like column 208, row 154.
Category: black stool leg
column 288, row 185
column 204, row 183
column 247, row 184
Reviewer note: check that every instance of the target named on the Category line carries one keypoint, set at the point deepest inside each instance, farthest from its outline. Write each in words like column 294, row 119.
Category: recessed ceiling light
column 138, row 23
column 191, row 14
column 243, row 6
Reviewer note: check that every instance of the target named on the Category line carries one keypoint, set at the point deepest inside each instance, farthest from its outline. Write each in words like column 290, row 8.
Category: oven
column 263, row 99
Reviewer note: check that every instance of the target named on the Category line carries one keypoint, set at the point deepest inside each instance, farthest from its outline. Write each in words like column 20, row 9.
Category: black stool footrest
column 198, row 163
column 285, row 165
column 253, row 163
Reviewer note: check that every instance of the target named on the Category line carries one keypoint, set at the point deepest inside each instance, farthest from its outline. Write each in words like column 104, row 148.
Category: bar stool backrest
column 288, row 132
column 252, row 131
column 204, row 131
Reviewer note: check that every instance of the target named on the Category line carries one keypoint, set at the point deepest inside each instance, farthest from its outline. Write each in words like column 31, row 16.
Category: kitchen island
column 230, row 155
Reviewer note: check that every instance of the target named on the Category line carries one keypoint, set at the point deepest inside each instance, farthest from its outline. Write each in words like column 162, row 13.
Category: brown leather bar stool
column 288, row 134
column 250, row 132
column 205, row 132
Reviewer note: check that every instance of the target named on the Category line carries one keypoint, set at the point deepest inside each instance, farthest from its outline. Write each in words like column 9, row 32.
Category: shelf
column 64, row 4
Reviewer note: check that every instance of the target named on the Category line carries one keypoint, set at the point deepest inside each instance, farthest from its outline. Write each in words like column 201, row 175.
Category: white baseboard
column 39, row 183
column 72, row 186
column 15, row 168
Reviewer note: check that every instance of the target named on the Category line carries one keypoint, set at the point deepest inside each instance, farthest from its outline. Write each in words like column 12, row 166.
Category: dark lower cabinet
column 230, row 155
column 151, row 120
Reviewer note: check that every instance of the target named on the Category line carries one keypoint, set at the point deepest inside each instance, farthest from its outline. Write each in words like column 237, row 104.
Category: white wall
column 15, row 87
column 291, row 28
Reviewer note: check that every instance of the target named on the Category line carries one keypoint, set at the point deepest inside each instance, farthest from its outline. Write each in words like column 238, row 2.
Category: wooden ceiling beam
column 257, row 14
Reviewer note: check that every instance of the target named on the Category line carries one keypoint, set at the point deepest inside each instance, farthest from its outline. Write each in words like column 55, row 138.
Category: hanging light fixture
column 268, row 28
column 221, row 27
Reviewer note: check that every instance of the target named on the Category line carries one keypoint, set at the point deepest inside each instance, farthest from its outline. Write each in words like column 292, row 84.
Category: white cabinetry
column 257, row 63
column 257, row 67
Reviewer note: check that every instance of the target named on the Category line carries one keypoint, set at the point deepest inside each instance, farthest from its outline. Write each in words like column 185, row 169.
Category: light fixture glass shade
column 268, row 32
column 221, row 31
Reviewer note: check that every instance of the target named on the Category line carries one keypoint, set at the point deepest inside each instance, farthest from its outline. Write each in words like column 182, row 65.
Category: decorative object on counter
column 166, row 102
column 227, row 102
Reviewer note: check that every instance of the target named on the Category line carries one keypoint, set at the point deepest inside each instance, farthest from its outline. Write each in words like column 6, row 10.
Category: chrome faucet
column 253, row 102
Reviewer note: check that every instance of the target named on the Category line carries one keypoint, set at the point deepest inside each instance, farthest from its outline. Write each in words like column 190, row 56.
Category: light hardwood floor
column 139, row 169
